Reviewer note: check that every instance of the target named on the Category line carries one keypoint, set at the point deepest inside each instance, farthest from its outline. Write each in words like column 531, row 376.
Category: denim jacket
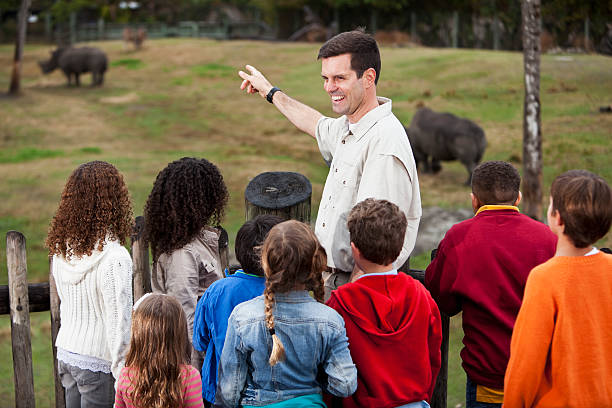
column 316, row 350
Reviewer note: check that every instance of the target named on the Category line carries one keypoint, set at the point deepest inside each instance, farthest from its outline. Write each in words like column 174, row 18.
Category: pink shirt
column 192, row 389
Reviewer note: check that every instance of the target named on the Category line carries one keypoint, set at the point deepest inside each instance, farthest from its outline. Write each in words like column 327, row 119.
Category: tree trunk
column 22, row 24
column 532, row 130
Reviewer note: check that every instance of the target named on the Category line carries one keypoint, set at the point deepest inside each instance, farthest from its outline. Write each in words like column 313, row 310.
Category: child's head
column 495, row 183
column 159, row 345
column 377, row 229
column 583, row 201
column 188, row 195
column 95, row 203
column 248, row 240
column 292, row 259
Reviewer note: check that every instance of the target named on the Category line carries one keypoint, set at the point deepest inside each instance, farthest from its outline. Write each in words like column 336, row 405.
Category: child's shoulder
column 249, row 309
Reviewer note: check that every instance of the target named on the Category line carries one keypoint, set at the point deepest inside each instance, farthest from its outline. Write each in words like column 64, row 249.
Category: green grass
column 27, row 154
column 184, row 100
column 213, row 70
column 129, row 63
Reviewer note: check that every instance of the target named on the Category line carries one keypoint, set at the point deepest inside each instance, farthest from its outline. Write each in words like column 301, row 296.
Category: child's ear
column 475, row 202
column 356, row 251
column 518, row 199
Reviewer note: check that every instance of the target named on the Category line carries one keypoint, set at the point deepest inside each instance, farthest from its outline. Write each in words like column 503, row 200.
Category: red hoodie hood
column 394, row 333
column 379, row 308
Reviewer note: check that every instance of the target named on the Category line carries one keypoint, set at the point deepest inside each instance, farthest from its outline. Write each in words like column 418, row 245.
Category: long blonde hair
column 158, row 347
column 291, row 257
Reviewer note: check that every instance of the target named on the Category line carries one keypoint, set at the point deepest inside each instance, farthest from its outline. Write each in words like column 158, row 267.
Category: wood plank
column 20, row 319
column 54, row 302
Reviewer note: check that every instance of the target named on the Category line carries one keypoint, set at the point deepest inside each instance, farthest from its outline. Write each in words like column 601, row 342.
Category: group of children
column 268, row 339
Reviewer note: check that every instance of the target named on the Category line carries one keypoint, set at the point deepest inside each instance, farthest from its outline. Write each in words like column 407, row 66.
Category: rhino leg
column 435, row 165
column 76, row 79
column 469, row 166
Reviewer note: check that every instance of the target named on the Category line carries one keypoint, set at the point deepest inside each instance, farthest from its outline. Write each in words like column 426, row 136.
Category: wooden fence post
column 285, row 194
column 20, row 319
column 439, row 397
column 140, row 260
column 54, row 307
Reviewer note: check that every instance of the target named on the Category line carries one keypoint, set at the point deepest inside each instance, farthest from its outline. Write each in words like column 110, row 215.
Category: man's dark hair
column 377, row 228
column 362, row 47
column 496, row 182
column 250, row 237
column 584, row 201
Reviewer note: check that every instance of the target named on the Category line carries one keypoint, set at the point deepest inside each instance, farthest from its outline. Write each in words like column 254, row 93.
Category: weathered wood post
column 54, row 307
column 140, row 260
column 285, row 194
column 224, row 250
column 20, row 319
column 439, row 397
column 532, row 129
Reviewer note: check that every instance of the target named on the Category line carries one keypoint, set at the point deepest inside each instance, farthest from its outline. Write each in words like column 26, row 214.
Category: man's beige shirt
column 375, row 160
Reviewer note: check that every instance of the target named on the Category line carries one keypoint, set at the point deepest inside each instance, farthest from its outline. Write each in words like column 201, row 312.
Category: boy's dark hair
column 377, row 229
column 496, row 182
column 362, row 47
column 250, row 236
column 584, row 201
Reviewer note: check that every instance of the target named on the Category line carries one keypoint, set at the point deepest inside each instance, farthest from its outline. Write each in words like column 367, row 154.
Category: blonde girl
column 157, row 373
column 285, row 348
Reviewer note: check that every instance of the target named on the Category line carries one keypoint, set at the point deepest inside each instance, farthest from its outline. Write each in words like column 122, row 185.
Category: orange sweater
column 561, row 349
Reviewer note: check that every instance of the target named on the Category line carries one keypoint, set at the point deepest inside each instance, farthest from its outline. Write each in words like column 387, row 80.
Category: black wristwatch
column 270, row 94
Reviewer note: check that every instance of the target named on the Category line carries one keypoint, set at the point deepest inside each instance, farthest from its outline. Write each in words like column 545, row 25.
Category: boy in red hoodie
column 392, row 323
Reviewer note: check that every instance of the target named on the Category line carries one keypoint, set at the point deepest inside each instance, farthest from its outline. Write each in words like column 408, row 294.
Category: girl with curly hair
column 187, row 201
column 284, row 347
column 93, row 275
column 157, row 373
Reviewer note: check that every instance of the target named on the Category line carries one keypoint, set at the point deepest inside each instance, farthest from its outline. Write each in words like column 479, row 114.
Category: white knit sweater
column 96, row 302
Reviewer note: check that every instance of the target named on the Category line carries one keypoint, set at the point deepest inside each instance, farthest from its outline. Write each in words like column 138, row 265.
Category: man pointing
column 366, row 148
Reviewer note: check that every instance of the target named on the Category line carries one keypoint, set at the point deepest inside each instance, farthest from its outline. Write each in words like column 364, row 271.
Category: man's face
column 341, row 83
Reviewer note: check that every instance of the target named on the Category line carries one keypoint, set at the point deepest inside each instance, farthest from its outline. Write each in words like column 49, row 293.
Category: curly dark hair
column 95, row 203
column 188, row 195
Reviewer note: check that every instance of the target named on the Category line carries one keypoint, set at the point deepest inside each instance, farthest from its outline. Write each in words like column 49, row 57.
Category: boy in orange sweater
column 560, row 353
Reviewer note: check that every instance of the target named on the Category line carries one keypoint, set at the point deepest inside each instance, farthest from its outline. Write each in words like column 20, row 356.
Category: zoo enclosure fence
column 19, row 298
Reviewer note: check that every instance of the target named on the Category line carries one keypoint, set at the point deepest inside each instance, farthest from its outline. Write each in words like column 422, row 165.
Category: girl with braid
column 182, row 215
column 284, row 348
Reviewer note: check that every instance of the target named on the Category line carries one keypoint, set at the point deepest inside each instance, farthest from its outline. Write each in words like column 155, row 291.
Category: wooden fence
column 20, row 298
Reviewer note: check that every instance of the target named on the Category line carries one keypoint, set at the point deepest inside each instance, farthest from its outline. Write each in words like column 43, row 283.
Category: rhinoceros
column 436, row 137
column 76, row 61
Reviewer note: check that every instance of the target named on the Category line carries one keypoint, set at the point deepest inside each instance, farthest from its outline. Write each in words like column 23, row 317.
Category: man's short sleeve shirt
column 375, row 160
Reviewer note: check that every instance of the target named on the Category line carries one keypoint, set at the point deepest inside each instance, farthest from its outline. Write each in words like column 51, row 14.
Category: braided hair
column 291, row 258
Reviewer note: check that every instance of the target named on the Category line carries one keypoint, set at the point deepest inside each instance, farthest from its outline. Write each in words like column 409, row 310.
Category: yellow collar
column 496, row 207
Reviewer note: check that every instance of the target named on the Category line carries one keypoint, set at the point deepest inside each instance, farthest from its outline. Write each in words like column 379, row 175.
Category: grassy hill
column 181, row 97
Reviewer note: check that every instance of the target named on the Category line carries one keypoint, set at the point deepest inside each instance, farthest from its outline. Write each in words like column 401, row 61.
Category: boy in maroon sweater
column 481, row 268
column 392, row 323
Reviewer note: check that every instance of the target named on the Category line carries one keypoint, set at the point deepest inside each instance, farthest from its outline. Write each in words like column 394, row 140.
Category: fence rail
column 20, row 298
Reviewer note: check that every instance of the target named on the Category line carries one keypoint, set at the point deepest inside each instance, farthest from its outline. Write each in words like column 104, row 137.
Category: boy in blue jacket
column 216, row 305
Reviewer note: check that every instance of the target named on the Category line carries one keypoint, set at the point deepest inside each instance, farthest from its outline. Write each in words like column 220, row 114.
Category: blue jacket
column 316, row 350
column 210, row 322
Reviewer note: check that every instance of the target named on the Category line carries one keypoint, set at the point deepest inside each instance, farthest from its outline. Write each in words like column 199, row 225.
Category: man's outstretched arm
column 302, row 116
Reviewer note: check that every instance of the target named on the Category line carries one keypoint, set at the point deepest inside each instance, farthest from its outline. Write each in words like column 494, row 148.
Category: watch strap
column 270, row 94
